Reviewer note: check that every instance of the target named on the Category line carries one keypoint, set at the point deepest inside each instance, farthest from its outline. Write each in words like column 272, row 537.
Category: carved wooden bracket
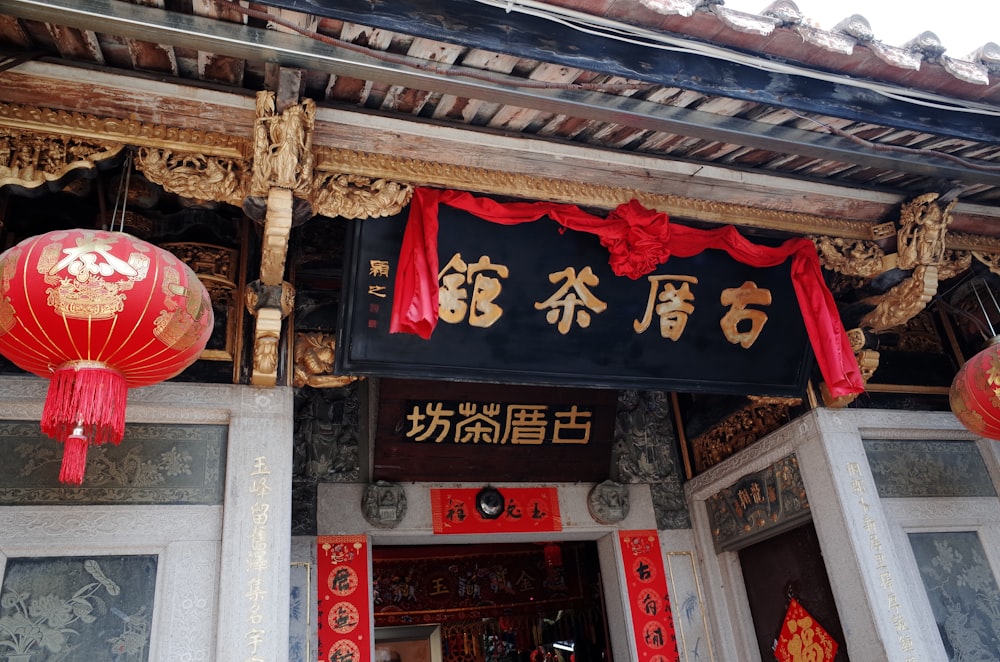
column 269, row 304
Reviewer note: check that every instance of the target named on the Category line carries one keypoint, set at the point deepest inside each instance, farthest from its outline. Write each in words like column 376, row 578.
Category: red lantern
column 975, row 392
column 97, row 313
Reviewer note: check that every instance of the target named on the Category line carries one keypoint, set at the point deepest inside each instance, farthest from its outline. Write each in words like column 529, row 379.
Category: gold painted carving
column 314, row 357
column 30, row 160
column 197, row 176
column 923, row 227
column 282, row 147
column 355, row 196
column 267, row 332
column 902, row 302
column 122, row 131
column 482, row 180
column 269, row 304
column 850, row 257
column 277, row 227
column 739, row 430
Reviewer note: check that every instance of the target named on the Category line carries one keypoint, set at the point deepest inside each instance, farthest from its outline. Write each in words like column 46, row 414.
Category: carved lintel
column 31, row 160
column 277, row 228
column 201, row 177
column 354, row 196
column 91, row 128
column 584, row 193
column 314, row 359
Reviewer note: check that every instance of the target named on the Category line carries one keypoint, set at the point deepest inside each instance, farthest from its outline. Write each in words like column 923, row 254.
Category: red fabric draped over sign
column 638, row 240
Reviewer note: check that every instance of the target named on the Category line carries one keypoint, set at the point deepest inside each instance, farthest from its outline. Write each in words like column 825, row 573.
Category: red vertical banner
column 649, row 603
column 343, row 586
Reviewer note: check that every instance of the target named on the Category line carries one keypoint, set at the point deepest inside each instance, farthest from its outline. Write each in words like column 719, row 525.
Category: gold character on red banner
column 343, row 617
column 674, row 307
column 343, row 581
column 453, row 296
column 345, row 651
column 802, row 639
column 573, row 294
column 738, row 298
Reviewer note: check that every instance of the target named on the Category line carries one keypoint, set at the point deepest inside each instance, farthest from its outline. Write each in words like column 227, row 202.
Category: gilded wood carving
column 30, row 160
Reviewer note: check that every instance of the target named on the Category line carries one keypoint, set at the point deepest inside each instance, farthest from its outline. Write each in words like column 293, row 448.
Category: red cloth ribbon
column 638, row 240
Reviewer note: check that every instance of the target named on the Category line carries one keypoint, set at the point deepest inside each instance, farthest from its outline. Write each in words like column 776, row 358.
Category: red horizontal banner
column 524, row 510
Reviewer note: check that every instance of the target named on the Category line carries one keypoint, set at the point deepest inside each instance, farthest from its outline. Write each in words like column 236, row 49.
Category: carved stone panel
column 758, row 504
column 154, row 464
column 645, row 451
column 77, row 607
column 923, row 468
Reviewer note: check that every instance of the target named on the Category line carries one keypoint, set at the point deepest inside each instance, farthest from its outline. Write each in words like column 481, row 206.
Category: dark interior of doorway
column 789, row 564
column 517, row 602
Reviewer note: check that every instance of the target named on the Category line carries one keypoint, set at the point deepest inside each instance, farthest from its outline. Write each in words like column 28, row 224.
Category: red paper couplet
column 344, row 593
column 648, row 599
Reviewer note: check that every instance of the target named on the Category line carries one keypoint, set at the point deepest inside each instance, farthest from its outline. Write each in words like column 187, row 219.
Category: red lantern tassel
column 85, row 403
column 74, row 461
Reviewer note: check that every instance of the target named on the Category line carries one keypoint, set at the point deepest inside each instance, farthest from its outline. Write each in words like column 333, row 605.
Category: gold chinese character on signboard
column 526, row 424
column 738, row 298
column 421, row 429
column 453, row 296
column 674, row 307
column 574, row 292
column 477, row 425
column 378, row 268
column 571, row 426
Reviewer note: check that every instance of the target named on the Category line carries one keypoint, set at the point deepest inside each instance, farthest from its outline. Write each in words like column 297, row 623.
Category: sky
column 961, row 25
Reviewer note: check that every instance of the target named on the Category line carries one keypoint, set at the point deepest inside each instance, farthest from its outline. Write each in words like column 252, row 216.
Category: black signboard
column 537, row 304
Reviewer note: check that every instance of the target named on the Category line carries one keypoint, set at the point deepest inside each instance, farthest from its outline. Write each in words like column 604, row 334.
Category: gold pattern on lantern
column 179, row 326
column 94, row 299
column 8, row 268
column 993, row 375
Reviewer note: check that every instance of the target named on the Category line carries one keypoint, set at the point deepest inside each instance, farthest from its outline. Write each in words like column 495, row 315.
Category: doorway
column 518, row 602
column 789, row 564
